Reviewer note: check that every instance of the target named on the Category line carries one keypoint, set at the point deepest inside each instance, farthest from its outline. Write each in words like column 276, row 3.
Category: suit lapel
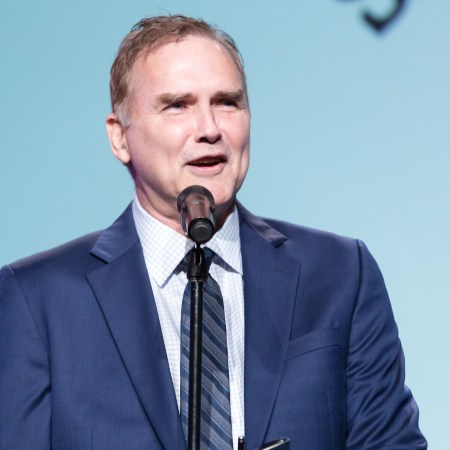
column 123, row 290
column 270, row 283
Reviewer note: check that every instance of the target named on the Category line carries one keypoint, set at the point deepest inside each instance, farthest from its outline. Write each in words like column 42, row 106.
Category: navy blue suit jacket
column 83, row 364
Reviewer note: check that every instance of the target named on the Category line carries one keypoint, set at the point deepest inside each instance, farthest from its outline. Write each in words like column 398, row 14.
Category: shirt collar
column 164, row 248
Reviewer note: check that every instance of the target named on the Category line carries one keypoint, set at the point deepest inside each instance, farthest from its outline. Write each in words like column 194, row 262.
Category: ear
column 117, row 139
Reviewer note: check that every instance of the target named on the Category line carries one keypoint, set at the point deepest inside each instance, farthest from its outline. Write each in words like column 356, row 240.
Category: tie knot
column 208, row 257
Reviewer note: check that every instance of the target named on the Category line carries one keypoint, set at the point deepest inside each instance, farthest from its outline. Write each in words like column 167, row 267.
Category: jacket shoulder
column 306, row 240
column 305, row 233
column 75, row 253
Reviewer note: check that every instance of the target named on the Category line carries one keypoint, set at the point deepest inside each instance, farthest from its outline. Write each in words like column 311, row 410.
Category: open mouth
column 209, row 161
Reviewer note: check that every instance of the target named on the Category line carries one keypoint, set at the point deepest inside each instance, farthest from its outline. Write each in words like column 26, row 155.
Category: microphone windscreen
column 196, row 206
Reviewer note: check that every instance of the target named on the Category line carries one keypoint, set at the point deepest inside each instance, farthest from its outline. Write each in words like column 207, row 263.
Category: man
column 90, row 331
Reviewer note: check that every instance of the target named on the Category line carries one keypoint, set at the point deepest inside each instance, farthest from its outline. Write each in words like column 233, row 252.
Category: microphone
column 197, row 208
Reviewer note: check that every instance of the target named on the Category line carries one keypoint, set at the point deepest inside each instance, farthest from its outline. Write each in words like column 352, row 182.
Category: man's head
column 149, row 34
column 180, row 114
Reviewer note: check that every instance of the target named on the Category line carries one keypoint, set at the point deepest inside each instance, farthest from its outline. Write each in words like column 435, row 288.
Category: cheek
column 245, row 159
column 170, row 137
column 239, row 132
column 242, row 147
column 156, row 143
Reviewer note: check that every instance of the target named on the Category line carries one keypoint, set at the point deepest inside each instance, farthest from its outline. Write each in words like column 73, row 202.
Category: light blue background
column 350, row 133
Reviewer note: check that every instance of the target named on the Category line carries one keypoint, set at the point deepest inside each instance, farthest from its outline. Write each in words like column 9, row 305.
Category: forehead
column 192, row 58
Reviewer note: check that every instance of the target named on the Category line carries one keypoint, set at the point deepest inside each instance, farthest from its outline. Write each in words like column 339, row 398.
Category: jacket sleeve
column 381, row 412
column 25, row 405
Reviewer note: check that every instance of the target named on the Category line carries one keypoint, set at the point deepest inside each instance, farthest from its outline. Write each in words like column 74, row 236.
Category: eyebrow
column 168, row 98
column 237, row 95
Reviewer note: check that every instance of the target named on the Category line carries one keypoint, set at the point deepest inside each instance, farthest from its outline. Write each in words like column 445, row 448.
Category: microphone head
column 197, row 208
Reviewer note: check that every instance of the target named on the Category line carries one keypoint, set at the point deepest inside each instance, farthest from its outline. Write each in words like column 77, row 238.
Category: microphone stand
column 197, row 274
column 196, row 206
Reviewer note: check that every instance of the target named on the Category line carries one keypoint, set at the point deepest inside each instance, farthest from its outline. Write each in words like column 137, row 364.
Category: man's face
column 190, row 124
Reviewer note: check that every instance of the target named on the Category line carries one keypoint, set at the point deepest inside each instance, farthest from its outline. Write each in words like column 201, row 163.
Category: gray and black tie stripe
column 215, row 423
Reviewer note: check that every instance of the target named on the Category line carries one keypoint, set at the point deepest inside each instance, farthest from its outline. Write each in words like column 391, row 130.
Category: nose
column 208, row 129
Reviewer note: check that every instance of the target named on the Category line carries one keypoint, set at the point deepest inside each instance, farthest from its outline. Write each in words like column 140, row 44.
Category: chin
column 224, row 204
column 221, row 196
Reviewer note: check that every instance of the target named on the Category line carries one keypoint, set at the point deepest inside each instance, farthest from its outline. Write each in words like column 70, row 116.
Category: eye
column 176, row 105
column 228, row 103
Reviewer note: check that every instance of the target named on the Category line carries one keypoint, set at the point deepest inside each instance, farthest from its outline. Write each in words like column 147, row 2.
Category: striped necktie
column 215, row 423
